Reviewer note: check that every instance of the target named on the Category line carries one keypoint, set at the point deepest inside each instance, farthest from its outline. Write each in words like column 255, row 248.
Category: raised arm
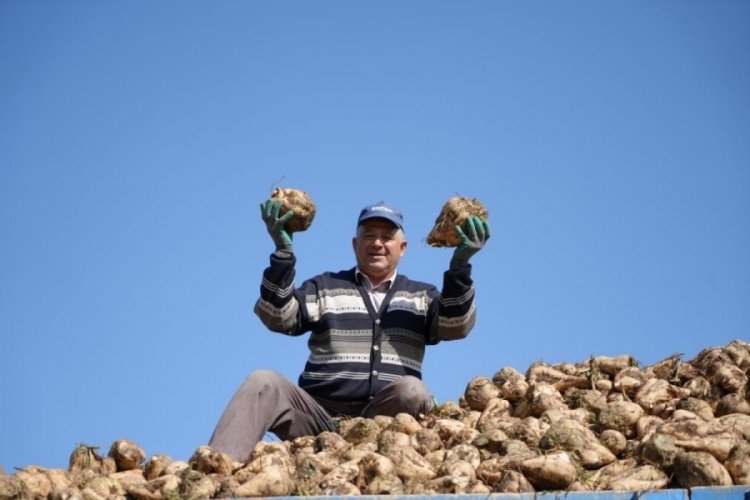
column 454, row 310
column 278, row 307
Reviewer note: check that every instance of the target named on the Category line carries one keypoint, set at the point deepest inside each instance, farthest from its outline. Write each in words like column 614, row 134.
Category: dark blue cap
column 382, row 210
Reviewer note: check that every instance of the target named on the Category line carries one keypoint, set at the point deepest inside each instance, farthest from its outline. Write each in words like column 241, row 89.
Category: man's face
column 378, row 246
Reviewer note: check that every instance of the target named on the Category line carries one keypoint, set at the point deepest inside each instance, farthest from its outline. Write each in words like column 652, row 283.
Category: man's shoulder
column 345, row 276
column 403, row 282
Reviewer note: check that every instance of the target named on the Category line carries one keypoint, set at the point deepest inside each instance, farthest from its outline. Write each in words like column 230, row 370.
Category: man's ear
column 404, row 244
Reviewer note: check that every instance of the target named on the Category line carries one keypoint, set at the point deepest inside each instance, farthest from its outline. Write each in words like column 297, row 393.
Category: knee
column 263, row 376
column 263, row 380
column 412, row 390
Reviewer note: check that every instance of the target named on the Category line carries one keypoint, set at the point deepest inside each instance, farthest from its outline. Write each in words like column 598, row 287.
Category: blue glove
column 476, row 235
column 275, row 225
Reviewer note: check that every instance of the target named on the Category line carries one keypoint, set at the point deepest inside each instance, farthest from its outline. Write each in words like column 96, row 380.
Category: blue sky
column 609, row 141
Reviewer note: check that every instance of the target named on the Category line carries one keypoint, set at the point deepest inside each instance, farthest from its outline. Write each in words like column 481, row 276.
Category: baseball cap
column 382, row 210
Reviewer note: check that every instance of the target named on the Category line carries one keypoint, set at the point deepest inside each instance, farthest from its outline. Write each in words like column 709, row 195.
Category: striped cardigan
column 355, row 350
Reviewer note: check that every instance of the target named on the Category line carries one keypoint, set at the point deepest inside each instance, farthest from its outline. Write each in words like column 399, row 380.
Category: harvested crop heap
column 601, row 424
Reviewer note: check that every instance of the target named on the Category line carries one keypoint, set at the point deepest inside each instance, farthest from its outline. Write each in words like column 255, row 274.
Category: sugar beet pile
column 605, row 423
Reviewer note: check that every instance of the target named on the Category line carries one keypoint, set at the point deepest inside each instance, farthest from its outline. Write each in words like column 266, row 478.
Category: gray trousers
column 266, row 401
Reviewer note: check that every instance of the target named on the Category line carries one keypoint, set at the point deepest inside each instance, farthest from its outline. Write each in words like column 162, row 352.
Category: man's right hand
column 275, row 225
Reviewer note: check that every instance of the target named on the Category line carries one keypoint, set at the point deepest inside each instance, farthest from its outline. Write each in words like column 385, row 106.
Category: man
column 369, row 325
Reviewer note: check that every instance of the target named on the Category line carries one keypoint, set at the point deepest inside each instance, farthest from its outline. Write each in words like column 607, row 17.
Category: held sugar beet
column 454, row 213
column 300, row 203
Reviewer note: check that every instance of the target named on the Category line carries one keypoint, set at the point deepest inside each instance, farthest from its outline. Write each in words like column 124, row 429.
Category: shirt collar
column 384, row 286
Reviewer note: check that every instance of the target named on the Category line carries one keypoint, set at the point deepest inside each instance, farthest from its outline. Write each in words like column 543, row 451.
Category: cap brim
column 379, row 216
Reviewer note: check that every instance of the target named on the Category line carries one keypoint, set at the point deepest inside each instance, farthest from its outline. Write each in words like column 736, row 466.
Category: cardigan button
column 376, row 348
column 374, row 373
column 377, row 321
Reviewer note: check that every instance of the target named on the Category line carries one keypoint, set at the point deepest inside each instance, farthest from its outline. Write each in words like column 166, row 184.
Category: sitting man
column 369, row 327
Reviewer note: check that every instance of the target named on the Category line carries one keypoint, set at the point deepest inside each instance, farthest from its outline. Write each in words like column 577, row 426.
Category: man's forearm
column 456, row 311
column 277, row 306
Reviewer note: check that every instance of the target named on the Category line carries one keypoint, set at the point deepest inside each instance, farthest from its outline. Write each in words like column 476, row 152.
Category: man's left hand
column 473, row 239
